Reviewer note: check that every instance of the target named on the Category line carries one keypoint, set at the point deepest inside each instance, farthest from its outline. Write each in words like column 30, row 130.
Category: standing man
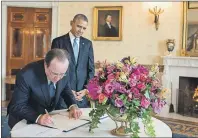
column 39, row 86
column 82, row 68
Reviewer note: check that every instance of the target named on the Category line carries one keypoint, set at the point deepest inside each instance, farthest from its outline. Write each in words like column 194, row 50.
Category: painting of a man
column 107, row 23
column 108, row 29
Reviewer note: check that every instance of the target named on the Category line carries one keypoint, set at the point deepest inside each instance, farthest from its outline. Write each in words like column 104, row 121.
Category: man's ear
column 45, row 64
column 71, row 22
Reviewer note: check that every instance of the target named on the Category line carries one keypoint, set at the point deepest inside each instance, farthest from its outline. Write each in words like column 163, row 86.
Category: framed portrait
column 190, row 29
column 192, row 5
column 107, row 24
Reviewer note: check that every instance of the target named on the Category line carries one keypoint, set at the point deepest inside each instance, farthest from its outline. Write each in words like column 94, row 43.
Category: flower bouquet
column 126, row 91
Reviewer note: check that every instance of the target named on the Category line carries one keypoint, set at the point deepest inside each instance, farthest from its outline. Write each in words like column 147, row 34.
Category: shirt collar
column 108, row 23
column 48, row 82
column 72, row 37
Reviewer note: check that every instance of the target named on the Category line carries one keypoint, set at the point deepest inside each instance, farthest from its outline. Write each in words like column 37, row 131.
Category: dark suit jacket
column 110, row 32
column 83, row 71
column 31, row 94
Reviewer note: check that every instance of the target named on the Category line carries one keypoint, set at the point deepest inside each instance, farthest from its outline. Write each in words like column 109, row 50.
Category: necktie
column 52, row 90
column 75, row 49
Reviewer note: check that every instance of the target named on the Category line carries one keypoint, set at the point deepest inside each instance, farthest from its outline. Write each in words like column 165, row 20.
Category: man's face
column 109, row 18
column 56, row 70
column 78, row 27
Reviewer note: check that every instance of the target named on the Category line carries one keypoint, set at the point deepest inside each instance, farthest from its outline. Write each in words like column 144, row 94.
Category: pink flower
column 148, row 80
column 143, row 77
column 132, row 82
column 134, row 76
column 145, row 102
column 120, row 88
column 111, row 76
column 143, row 69
column 109, row 89
column 119, row 102
column 110, row 69
column 135, row 92
column 157, row 105
column 94, row 90
column 141, row 86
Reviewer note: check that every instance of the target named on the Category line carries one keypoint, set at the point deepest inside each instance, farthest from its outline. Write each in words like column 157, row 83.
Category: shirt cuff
column 72, row 106
column 37, row 118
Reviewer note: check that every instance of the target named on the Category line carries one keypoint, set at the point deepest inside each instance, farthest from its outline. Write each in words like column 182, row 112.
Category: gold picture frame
column 190, row 30
column 107, row 31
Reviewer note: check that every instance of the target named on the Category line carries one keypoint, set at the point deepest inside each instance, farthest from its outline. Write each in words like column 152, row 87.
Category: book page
column 64, row 123
column 38, row 131
column 85, row 114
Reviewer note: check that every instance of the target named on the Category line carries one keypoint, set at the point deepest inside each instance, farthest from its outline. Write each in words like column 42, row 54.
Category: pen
column 48, row 114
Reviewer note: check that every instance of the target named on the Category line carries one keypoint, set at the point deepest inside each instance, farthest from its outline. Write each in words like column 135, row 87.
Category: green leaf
column 136, row 102
column 147, row 94
column 113, row 111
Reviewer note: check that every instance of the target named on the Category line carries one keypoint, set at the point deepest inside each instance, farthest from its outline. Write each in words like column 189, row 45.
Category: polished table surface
column 104, row 130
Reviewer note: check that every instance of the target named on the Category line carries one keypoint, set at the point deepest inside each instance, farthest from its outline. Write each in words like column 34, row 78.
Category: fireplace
column 187, row 96
column 177, row 70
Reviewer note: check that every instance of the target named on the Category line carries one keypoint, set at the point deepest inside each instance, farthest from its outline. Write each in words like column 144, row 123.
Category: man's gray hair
column 80, row 16
column 60, row 54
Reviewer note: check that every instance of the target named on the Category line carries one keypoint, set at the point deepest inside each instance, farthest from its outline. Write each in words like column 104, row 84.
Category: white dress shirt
column 72, row 37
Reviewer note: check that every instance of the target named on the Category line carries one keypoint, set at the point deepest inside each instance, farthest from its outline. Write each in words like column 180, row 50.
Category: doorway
column 28, row 36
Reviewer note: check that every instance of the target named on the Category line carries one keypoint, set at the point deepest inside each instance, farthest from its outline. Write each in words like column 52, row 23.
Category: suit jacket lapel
column 81, row 49
column 69, row 48
column 45, row 89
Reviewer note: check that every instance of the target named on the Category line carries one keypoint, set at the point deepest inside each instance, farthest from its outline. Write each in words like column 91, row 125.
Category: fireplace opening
column 188, row 96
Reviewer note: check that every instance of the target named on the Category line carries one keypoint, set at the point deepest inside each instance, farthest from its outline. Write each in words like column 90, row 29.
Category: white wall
column 140, row 39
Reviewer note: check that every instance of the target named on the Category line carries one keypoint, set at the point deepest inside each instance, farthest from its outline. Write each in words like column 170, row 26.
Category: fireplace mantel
column 180, row 61
column 175, row 67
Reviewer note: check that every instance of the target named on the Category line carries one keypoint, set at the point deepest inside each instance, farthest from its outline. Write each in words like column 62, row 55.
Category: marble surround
column 175, row 67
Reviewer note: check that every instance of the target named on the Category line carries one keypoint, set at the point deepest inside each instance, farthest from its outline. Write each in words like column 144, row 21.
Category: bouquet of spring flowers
column 128, row 89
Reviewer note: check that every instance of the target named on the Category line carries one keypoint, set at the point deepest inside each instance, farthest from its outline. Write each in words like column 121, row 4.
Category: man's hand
column 75, row 95
column 75, row 112
column 80, row 94
column 45, row 120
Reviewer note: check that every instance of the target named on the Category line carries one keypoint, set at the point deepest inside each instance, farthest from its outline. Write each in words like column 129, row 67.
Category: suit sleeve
column 55, row 44
column 20, row 106
column 68, row 95
column 91, row 66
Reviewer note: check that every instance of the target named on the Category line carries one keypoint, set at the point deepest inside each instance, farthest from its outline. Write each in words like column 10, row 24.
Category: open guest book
column 64, row 123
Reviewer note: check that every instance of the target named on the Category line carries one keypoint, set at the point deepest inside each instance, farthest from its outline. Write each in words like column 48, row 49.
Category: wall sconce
column 156, row 12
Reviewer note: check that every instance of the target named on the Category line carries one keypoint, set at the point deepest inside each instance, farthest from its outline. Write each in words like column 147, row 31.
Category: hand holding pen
column 49, row 117
column 45, row 119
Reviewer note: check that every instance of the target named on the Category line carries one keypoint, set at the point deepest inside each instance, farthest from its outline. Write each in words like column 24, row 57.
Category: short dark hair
column 80, row 16
column 60, row 54
column 106, row 15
